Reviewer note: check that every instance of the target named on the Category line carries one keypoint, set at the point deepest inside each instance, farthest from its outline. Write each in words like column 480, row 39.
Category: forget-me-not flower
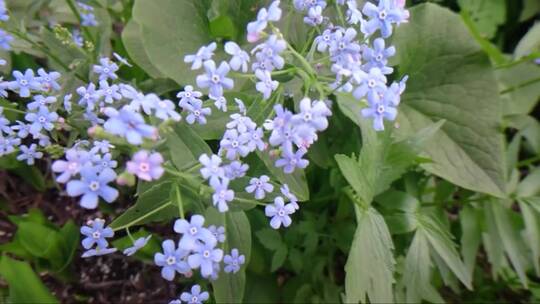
column 29, row 154
column 172, row 260
column 145, row 165
column 260, row 186
column 203, row 54
column 215, row 79
column 93, row 185
column 279, row 213
column 24, row 83
column 233, row 261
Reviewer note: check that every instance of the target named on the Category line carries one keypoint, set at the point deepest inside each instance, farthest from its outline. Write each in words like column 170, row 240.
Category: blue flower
column 197, row 113
column 43, row 119
column 235, row 169
column 215, row 78
column 104, row 162
column 354, row 16
column 234, row 144
column 377, row 57
column 255, row 28
column 3, row 11
column 314, row 16
column 290, row 196
column 382, row 17
column 313, row 114
column 241, row 123
column 218, row 232
column 4, row 123
column 128, row 124
column 164, row 110
column 77, row 38
column 21, row 128
column 5, row 40
column 193, row 233
column 106, row 70
column 48, row 80
column 211, row 167
column 260, row 186
column 267, row 54
column 326, row 39
column 195, row 297
column 266, row 85
column 233, row 261
column 172, row 260
column 344, row 45
column 222, row 194
column 188, row 96
column 88, row 19
column 101, row 146
column 29, row 154
column 279, row 212
column 75, row 160
column 43, row 140
column 139, row 100
column 256, row 140
column 92, row 117
column 67, row 103
column 96, row 234
column 138, row 244
column 368, row 83
column 121, row 59
column 41, row 101
column 109, row 92
column 379, row 109
column 98, row 252
column 204, row 257
column 92, row 185
column 89, row 96
column 203, row 54
column 8, row 144
column 291, row 160
column 303, row 5
column 24, row 83
column 240, row 58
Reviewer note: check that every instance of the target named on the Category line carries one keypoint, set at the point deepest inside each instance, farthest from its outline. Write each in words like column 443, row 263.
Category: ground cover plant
column 253, row 151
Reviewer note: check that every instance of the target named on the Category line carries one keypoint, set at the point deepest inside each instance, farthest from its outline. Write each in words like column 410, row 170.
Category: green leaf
column 223, row 27
column 530, row 43
column 182, row 29
column 450, row 78
column 370, row 265
column 36, row 238
column 509, row 237
column 32, row 176
column 279, row 258
column 530, row 185
column 132, row 39
column 441, row 242
column 185, row 146
column 417, row 275
column 471, row 236
column 487, row 15
column 24, row 285
column 270, row 238
column 532, row 232
column 401, row 210
column 519, row 87
column 229, row 287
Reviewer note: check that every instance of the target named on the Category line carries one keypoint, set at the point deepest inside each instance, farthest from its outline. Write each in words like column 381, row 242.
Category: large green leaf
column 451, row 79
column 185, row 146
column 229, row 287
column 24, row 285
column 370, row 265
column 487, row 14
column 519, row 86
column 132, row 39
column 170, row 30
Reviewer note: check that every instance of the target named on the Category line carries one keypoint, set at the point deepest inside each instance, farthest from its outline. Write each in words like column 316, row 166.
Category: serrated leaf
column 450, row 78
column 471, row 236
column 370, row 265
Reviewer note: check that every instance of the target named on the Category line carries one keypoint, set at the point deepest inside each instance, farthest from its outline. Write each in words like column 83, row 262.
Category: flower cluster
column 87, row 15
column 196, row 249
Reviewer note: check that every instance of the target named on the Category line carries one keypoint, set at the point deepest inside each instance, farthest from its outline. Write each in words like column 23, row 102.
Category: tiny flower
column 292, row 160
column 215, row 79
column 369, row 82
column 197, row 113
column 235, row 144
column 24, row 83
column 240, row 105
column 204, row 257
column 88, row 19
column 260, row 186
column 109, row 92
column 105, row 161
column 195, row 297
column 382, row 17
column 43, row 119
column 75, row 160
column 188, row 96
column 48, row 80
column 313, row 114
column 96, row 234
column 41, row 101
column 220, row 102
column 233, row 261
column 128, row 124
column 203, row 54
column 8, row 144
column 289, row 195
column 67, row 103
column 314, row 16
column 222, row 194
column 280, row 213
column 193, row 233
column 5, row 40
column 377, row 57
column 268, row 54
column 106, row 69
column 29, row 154
column 145, row 165
column 255, row 28
column 378, row 111
column 211, row 167
column 354, row 16
column 240, row 58
column 98, row 252
column 266, row 85
column 235, row 169
column 138, row 244
column 101, row 146
column 172, row 260
column 164, row 110
column 93, row 185
column 218, row 232
column 89, row 96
